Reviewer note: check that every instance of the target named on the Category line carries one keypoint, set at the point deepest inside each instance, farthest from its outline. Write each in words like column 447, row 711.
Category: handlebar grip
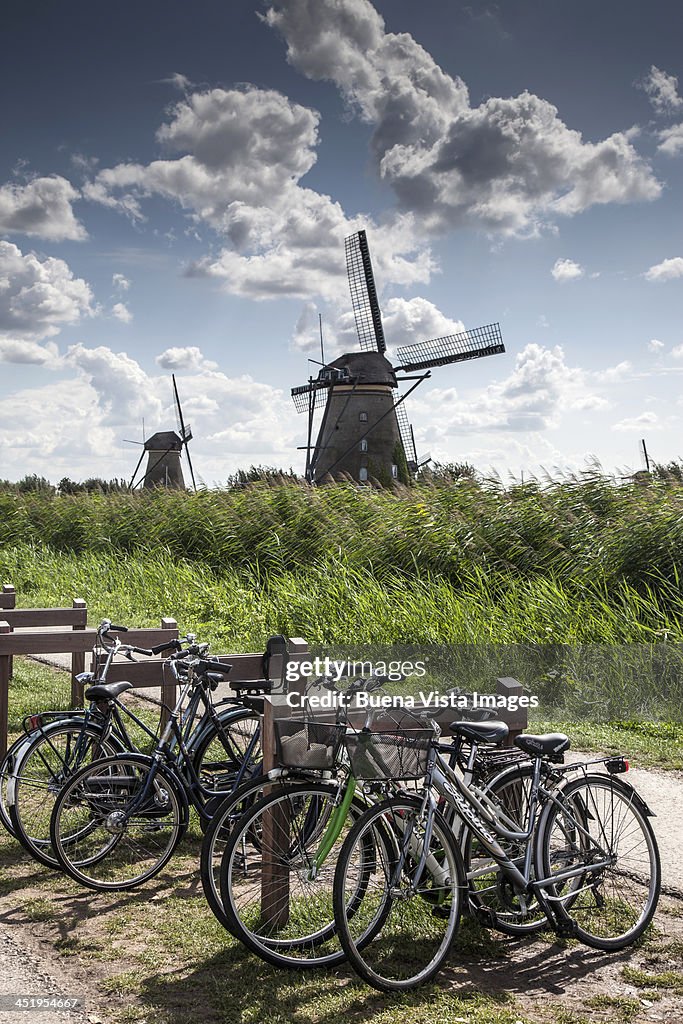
column 168, row 645
column 213, row 665
column 143, row 650
column 117, row 629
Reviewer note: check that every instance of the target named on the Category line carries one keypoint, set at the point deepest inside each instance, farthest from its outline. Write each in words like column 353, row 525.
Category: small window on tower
column 364, row 444
column 363, row 473
column 394, row 471
column 363, row 417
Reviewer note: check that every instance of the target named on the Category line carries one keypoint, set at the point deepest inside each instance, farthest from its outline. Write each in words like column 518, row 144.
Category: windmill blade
column 185, row 432
column 407, row 437
column 135, row 472
column 364, row 293
column 453, row 348
column 300, row 395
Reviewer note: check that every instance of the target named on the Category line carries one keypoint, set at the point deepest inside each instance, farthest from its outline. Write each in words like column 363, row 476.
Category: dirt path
column 27, row 973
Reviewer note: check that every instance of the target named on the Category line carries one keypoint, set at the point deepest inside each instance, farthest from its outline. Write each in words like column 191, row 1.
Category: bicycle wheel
column 490, row 892
column 599, row 824
column 396, row 920
column 275, row 896
column 7, row 768
column 217, row 834
column 42, row 767
column 221, row 752
column 116, row 823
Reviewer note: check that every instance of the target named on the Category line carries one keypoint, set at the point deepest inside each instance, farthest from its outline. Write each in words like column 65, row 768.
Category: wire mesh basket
column 302, row 743
column 396, row 754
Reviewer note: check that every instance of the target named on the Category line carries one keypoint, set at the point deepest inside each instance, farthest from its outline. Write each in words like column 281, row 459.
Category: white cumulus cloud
column 510, row 164
column 662, row 91
column 38, row 296
column 41, row 208
column 567, row 270
column 667, row 270
column 646, row 420
column 121, row 311
column 655, row 345
column 188, row 360
column 120, row 282
column 671, row 140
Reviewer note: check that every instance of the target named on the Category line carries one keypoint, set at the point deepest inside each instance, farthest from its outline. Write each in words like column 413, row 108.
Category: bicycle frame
column 472, row 805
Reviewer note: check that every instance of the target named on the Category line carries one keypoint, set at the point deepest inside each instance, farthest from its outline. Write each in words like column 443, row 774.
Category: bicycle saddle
column 480, row 732
column 549, row 744
column 107, row 691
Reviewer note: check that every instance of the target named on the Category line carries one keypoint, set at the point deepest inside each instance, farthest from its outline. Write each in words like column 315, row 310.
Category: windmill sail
column 301, row 395
column 185, row 431
column 364, row 293
column 453, row 348
column 407, row 438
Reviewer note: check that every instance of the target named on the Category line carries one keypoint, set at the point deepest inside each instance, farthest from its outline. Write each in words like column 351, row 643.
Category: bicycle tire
column 7, row 767
column 304, row 936
column 42, row 767
column 601, row 915
column 95, row 842
column 217, row 766
column 386, row 954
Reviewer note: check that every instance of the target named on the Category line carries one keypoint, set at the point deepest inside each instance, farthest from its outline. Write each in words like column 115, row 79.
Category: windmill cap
column 164, row 440
column 367, row 368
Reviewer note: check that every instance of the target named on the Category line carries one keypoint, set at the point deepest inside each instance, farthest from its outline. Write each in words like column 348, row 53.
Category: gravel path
column 23, row 974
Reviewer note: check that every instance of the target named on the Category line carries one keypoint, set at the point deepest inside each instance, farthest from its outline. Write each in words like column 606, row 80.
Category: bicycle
column 58, row 744
column 566, row 860
column 307, row 820
column 117, row 821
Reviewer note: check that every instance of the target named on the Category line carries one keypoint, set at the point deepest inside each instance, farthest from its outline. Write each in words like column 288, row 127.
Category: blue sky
column 176, row 182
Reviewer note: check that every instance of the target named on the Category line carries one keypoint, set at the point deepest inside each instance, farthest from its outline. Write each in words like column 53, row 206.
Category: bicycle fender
column 626, row 789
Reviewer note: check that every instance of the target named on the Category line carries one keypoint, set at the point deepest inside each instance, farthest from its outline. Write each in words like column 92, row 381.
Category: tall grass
column 572, row 530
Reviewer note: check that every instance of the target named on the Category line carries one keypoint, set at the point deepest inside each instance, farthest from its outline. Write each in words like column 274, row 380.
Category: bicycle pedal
column 566, row 929
column 484, row 916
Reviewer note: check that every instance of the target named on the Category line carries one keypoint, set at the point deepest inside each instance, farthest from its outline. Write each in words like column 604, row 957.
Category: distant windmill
column 365, row 430
column 164, row 453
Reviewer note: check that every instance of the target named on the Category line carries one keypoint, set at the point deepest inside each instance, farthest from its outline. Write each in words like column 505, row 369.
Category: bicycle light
column 617, row 765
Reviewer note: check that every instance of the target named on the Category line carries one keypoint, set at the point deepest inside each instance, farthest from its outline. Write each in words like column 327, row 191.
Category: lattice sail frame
column 364, row 293
column 300, row 395
column 452, row 348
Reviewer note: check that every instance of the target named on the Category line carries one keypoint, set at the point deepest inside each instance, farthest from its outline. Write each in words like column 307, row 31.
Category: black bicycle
column 58, row 744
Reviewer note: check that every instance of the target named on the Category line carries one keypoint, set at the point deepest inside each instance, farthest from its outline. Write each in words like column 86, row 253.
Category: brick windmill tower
column 364, row 432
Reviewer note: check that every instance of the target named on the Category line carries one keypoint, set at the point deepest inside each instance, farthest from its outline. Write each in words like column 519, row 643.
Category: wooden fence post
column 509, row 687
column 77, row 661
column 4, row 693
column 275, row 828
column 168, row 685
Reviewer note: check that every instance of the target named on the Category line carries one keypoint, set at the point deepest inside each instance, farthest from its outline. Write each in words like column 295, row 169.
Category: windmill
column 164, row 453
column 365, row 431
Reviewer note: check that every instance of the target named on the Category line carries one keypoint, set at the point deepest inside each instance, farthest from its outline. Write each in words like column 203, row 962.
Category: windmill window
column 363, row 417
column 364, row 444
column 363, row 473
column 394, row 471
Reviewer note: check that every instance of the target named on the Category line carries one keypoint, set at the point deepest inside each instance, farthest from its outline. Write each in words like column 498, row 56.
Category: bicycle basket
column 400, row 754
column 301, row 743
